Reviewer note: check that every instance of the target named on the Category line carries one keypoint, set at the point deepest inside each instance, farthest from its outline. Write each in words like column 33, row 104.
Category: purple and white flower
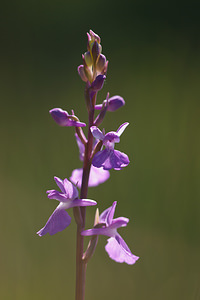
column 62, row 118
column 116, row 247
column 68, row 197
column 109, row 158
column 97, row 175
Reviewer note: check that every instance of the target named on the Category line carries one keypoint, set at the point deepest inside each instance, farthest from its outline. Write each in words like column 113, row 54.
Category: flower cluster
column 98, row 154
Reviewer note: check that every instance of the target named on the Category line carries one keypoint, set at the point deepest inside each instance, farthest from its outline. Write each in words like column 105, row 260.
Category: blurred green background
column 154, row 63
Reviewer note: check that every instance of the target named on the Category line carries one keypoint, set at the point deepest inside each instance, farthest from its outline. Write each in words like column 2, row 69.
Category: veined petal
column 97, row 133
column 119, row 251
column 121, row 128
column 58, row 221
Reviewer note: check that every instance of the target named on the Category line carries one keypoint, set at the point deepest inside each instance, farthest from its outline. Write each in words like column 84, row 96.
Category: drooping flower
column 109, row 158
column 62, row 118
column 97, row 175
column 68, row 197
column 116, row 247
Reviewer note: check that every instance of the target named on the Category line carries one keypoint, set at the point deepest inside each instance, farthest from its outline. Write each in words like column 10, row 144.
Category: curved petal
column 82, row 202
column 111, row 213
column 121, row 128
column 59, row 183
column 115, row 103
column 97, row 133
column 100, row 159
column 58, row 221
column 119, row 251
column 60, row 116
column 98, row 231
column 119, row 222
column 107, row 215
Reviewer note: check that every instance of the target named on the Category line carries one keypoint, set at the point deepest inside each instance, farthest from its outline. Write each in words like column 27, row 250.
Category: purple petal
column 58, row 221
column 76, row 177
column 98, row 231
column 111, row 137
column 111, row 212
column 119, row 251
column 118, row 160
column 62, row 118
column 97, row 133
column 101, row 158
column 59, row 183
column 82, row 202
column 53, row 194
column 121, row 128
column 97, row 176
column 115, row 103
column 70, row 190
column 104, row 215
column 119, row 222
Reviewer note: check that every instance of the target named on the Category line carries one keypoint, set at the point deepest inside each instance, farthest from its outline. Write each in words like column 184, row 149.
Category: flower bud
column 96, row 50
column 94, row 36
column 81, row 73
column 101, row 63
column 97, row 84
column 88, row 59
column 87, row 70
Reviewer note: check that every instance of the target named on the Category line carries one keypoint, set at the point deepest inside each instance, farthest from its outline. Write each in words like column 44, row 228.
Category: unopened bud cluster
column 94, row 62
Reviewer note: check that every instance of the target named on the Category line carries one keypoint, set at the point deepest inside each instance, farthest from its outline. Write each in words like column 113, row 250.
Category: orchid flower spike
column 116, row 247
column 109, row 158
column 68, row 197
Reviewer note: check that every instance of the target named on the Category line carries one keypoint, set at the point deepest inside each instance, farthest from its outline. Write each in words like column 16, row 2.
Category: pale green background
column 154, row 60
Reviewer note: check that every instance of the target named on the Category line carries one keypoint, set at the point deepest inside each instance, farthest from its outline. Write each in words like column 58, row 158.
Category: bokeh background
column 154, row 63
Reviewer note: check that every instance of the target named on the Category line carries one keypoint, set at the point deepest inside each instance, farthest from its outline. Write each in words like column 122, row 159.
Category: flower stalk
column 99, row 156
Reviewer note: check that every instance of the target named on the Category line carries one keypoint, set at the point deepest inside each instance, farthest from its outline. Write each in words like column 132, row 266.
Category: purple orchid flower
column 116, row 247
column 109, row 158
column 97, row 175
column 62, row 118
column 68, row 197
